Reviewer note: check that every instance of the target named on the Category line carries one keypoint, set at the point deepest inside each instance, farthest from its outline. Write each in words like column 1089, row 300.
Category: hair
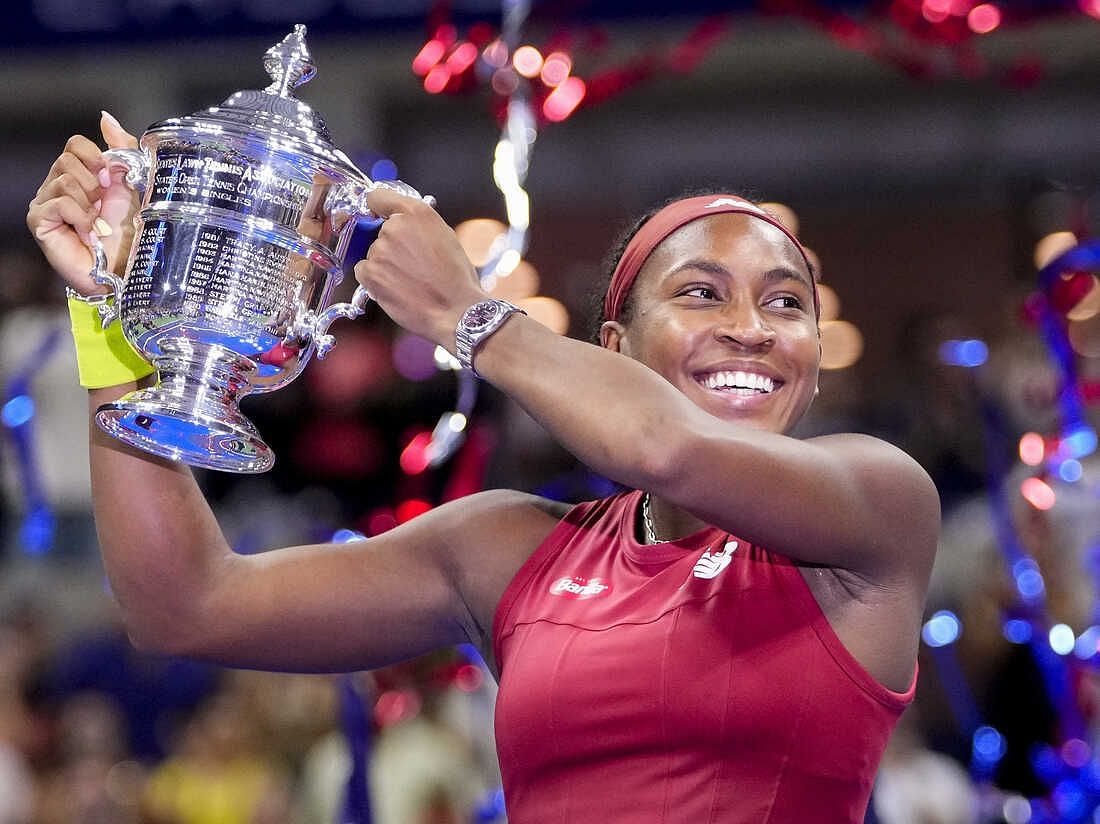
column 611, row 261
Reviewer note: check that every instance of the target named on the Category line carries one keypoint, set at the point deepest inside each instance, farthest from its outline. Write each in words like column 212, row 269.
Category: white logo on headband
column 729, row 201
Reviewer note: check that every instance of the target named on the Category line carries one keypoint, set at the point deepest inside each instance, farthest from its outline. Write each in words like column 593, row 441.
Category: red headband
column 667, row 221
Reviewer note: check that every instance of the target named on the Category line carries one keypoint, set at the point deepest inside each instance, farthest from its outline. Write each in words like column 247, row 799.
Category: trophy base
column 191, row 414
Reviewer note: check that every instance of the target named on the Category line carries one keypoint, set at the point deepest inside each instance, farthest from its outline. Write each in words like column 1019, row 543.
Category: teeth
column 739, row 380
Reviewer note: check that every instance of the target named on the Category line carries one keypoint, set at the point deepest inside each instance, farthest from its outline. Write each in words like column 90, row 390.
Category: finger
column 384, row 202
column 58, row 212
column 69, row 165
column 85, row 151
column 116, row 136
column 67, row 185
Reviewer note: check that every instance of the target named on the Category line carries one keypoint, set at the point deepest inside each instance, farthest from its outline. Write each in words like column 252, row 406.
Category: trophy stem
column 192, row 413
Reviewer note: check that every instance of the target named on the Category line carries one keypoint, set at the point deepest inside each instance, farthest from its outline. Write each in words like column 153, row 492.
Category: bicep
column 331, row 607
column 426, row 584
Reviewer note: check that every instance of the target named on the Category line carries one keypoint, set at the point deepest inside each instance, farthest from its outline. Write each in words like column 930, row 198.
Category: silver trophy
column 246, row 214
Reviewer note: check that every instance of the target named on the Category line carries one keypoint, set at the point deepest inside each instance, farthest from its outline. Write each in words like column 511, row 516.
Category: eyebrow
column 774, row 275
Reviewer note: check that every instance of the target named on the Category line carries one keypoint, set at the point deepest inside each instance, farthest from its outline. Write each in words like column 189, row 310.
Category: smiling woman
column 730, row 641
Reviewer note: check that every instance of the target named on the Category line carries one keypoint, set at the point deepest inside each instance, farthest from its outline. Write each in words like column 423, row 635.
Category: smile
column 739, row 383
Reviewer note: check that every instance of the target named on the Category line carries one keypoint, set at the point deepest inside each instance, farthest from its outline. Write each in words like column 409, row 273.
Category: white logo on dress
column 579, row 588
column 711, row 564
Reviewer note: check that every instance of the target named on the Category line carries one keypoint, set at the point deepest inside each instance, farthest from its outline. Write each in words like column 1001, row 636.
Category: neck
column 669, row 521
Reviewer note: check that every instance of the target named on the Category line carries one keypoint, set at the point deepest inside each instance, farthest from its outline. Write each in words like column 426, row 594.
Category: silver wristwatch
column 477, row 323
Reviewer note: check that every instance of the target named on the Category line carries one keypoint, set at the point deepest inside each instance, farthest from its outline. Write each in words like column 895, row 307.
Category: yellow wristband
column 103, row 356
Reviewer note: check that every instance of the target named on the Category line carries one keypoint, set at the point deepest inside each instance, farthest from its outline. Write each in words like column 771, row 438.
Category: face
column 723, row 309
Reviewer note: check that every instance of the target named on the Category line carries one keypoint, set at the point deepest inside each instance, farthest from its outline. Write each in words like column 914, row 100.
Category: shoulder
column 890, row 483
column 487, row 537
column 502, row 512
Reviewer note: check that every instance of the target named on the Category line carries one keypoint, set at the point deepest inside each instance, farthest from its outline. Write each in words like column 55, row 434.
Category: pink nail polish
column 104, row 177
column 97, row 206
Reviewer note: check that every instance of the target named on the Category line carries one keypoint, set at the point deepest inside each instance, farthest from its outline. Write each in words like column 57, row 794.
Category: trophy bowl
column 247, row 209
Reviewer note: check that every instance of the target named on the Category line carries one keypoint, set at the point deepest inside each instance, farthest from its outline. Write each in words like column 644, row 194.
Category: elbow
column 159, row 635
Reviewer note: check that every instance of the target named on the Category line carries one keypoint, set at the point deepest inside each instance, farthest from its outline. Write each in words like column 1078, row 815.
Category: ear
column 613, row 337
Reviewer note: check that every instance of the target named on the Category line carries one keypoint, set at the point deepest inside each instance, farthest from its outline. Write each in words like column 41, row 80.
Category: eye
column 700, row 291
column 784, row 302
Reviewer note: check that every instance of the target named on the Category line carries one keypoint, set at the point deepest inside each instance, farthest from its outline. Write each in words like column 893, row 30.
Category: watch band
column 478, row 323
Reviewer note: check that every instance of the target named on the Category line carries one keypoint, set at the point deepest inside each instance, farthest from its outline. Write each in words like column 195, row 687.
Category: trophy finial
column 289, row 63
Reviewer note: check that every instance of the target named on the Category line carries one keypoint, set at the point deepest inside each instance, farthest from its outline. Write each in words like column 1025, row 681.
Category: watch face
column 480, row 314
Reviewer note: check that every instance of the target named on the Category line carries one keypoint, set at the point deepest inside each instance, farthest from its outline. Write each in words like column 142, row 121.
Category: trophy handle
column 317, row 329
column 350, row 200
column 134, row 161
column 108, row 309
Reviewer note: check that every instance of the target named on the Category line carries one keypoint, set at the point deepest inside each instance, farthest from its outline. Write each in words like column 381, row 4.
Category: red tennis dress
column 694, row 681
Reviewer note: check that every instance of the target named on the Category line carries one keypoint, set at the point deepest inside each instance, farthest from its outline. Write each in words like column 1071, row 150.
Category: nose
column 744, row 326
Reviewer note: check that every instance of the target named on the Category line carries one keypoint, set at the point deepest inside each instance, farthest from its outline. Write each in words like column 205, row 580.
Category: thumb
column 384, row 202
column 113, row 133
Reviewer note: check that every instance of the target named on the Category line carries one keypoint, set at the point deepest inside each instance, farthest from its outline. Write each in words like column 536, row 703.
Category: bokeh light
column 547, row 311
column 556, row 68
column 1078, row 443
column 1016, row 810
column 1054, row 244
column 383, row 169
column 17, row 411
column 415, row 456
column 1088, row 643
column 1070, row 471
column 988, row 745
column 412, row 508
column 428, row 56
column 984, row 18
column 841, row 344
column 437, row 79
column 941, row 629
column 967, row 353
column 1062, row 639
column 565, row 98
column 1029, row 581
column 462, row 58
column 527, row 61
column 1038, row 493
column 496, row 54
column 1032, row 448
column 476, row 237
column 1017, row 631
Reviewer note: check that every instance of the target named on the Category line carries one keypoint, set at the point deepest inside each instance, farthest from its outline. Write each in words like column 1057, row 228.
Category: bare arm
column 849, row 501
column 429, row 583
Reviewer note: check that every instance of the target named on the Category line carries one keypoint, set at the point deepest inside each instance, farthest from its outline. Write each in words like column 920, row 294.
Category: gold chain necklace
column 647, row 523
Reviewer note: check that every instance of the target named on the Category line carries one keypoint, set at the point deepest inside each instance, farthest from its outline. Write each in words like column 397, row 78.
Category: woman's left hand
column 416, row 269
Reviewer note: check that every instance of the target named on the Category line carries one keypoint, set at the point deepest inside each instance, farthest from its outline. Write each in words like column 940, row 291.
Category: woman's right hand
column 80, row 197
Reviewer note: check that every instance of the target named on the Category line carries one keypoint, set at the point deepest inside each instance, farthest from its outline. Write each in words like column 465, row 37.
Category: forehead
column 742, row 243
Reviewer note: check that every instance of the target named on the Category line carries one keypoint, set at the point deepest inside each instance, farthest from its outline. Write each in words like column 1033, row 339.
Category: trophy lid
column 274, row 115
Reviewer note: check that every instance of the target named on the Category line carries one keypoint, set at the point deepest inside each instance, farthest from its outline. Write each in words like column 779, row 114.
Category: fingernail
column 97, row 205
column 110, row 118
column 103, row 228
column 105, row 177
